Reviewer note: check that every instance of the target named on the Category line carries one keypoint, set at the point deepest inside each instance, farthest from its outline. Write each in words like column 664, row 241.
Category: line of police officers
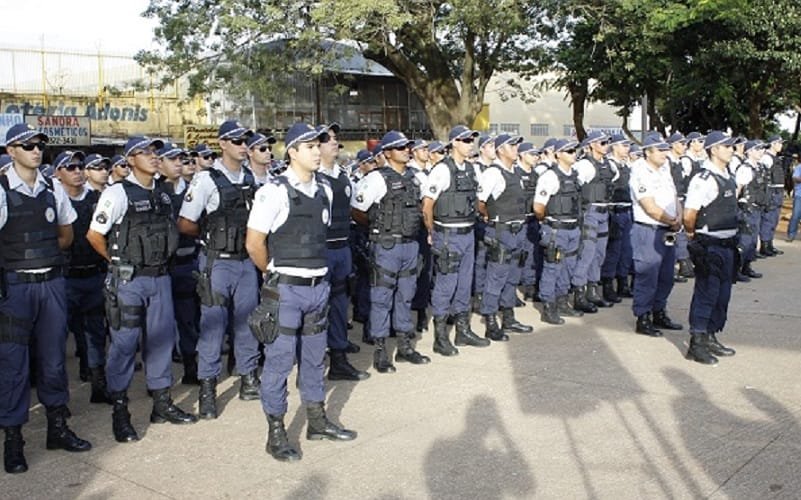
column 168, row 251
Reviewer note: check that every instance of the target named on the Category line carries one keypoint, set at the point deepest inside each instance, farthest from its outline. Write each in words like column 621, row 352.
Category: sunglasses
column 31, row 146
column 72, row 168
column 121, row 165
column 99, row 167
column 570, row 151
column 468, row 140
column 208, row 157
column 188, row 162
column 146, row 152
column 603, row 143
column 398, row 148
column 264, row 149
column 237, row 142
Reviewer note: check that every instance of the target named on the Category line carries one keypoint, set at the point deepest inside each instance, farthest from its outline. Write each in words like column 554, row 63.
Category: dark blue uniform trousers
column 502, row 277
column 152, row 296
column 748, row 238
column 187, row 307
column 235, row 280
column 452, row 289
column 86, row 317
column 770, row 215
column 422, row 293
column 557, row 276
column 32, row 311
column 339, row 265
column 393, row 295
column 532, row 267
column 617, row 262
column 296, row 302
column 711, row 292
column 653, row 269
column 592, row 251
column 480, row 266
column 360, row 295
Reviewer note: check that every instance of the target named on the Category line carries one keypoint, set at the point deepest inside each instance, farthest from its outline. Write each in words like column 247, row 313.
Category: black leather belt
column 512, row 227
column 621, row 209
column 85, row 271
column 652, row 226
column 457, row 230
column 214, row 254
column 333, row 245
column 559, row 224
column 150, row 271
column 28, row 277
column 286, row 279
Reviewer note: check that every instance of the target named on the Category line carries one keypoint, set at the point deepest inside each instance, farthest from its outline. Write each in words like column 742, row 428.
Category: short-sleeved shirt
column 548, row 185
column 113, row 205
column 438, row 180
column 701, row 192
column 647, row 182
column 65, row 213
column 491, row 184
column 203, row 194
column 744, row 173
column 271, row 209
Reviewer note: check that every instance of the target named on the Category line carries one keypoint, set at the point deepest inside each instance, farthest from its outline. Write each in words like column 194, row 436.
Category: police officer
column 617, row 263
column 502, row 203
column 133, row 228
column 595, row 178
column 657, row 217
column 85, row 273
column 96, row 169
column 338, row 257
column 774, row 171
column 183, row 265
column 260, row 156
column 119, row 169
column 752, row 198
column 449, row 213
column 292, row 213
column 188, row 168
column 528, row 157
column 35, row 226
column 388, row 201
column 418, row 164
column 215, row 209
column 710, row 218
column 682, row 167
column 436, row 152
column 557, row 204
column 359, row 243
column 204, row 156
column 420, row 156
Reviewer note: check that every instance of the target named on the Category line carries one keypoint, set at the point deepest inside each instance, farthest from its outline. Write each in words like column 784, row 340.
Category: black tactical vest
column 81, row 253
column 620, row 187
column 301, row 241
column 29, row 239
column 677, row 172
column 147, row 235
column 565, row 203
column 776, row 171
column 177, row 200
column 398, row 213
column 224, row 229
column 458, row 202
column 340, row 208
column 754, row 192
column 529, row 186
column 511, row 205
column 721, row 214
column 599, row 188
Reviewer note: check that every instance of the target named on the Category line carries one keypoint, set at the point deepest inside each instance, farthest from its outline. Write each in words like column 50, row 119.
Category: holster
column 263, row 320
column 496, row 252
column 446, row 261
column 112, row 303
column 552, row 253
column 698, row 256
column 522, row 258
column 204, row 290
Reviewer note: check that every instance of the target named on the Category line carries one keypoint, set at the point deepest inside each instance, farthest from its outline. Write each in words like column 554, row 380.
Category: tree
column 445, row 52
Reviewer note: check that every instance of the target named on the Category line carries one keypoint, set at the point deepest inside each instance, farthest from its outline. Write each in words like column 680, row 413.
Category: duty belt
column 706, row 240
column 621, row 209
column 29, row 277
column 85, row 271
column 214, row 254
column 653, row 226
column 334, row 244
column 560, row 224
column 513, row 227
column 457, row 230
column 150, row 271
column 286, row 279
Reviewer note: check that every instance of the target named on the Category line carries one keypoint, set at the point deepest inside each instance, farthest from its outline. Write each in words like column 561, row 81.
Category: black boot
column 442, row 341
column 494, row 331
column 249, row 386
column 465, row 335
column 763, row 250
column 99, row 390
column 662, row 320
column 407, row 353
column 715, row 347
column 550, row 314
column 13, row 456
column 580, row 302
column 510, row 324
column 207, row 398
column 749, row 271
column 594, row 295
column 646, row 327
column 699, row 350
column 84, row 372
column 623, row 288
column 741, row 278
column 190, row 371
column 422, row 321
column 352, row 348
column 319, row 427
column 341, row 369
column 773, row 249
column 164, row 410
column 381, row 361
column 366, row 337
column 529, row 292
column 609, row 293
column 121, row 419
column 686, row 268
column 564, row 309
column 277, row 442
column 59, row 436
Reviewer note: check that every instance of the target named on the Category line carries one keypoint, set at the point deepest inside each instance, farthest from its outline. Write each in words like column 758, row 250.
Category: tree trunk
column 578, row 99
column 797, row 126
column 754, row 118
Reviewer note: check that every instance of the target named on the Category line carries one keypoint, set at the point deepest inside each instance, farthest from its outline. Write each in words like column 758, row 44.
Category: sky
column 111, row 26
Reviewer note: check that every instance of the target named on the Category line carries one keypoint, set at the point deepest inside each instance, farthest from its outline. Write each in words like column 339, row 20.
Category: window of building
column 493, row 129
column 510, row 128
column 539, row 130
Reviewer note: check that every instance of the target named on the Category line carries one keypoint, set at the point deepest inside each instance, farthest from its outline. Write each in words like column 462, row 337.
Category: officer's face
column 188, row 167
column 656, row 157
column 367, row 166
column 723, row 153
column 261, row 154
column 329, row 150
column 599, row 147
column 488, row 150
column 696, row 145
column 621, row 150
column 97, row 173
column 566, row 157
column 740, row 148
column 305, row 156
column 144, row 160
column 397, row 156
column 234, row 149
column 755, row 154
column 24, row 157
column 679, row 148
column 204, row 162
column 436, row 157
column 421, row 155
column 121, row 170
column 171, row 167
column 71, row 174
column 507, row 152
column 463, row 146
column 529, row 159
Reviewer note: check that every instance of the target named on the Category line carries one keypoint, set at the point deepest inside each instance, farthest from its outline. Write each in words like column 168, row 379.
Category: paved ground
column 586, row 410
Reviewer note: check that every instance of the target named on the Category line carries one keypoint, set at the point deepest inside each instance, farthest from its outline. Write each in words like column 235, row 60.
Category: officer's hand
column 428, row 238
column 675, row 225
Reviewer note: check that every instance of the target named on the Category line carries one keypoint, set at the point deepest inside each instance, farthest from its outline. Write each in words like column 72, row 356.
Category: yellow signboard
column 482, row 120
column 199, row 134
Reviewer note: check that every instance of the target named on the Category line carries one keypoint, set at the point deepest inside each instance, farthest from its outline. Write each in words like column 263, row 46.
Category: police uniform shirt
column 65, row 213
column 658, row 184
column 547, row 186
column 261, row 179
column 437, row 181
column 491, row 183
column 744, row 173
column 372, row 189
column 113, row 205
column 416, row 167
column 271, row 210
column 701, row 192
column 203, row 195
column 86, row 189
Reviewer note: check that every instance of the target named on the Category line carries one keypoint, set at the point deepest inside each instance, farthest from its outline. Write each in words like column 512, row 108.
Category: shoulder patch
column 101, row 218
column 641, row 189
column 360, row 198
